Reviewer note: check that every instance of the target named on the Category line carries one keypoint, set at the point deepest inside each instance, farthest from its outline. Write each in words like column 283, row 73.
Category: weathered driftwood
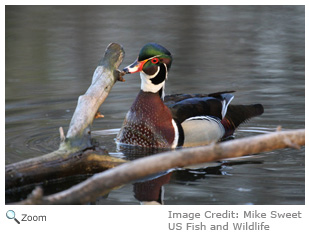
column 59, row 164
column 76, row 154
column 104, row 77
column 102, row 183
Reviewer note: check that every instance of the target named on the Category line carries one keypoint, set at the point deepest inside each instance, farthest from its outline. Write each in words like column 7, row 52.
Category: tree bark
column 102, row 183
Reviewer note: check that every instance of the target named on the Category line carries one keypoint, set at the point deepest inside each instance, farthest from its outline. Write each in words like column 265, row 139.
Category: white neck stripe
column 147, row 85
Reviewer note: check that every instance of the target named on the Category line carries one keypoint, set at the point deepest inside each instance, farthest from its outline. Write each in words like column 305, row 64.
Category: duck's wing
column 174, row 98
column 196, row 105
column 202, row 119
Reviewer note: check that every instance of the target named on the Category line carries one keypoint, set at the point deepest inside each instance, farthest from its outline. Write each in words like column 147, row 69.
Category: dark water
column 259, row 51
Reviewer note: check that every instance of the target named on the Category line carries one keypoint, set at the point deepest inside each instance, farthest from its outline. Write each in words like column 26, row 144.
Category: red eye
column 154, row 60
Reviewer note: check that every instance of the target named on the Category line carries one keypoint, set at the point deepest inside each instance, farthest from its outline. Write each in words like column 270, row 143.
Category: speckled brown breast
column 148, row 123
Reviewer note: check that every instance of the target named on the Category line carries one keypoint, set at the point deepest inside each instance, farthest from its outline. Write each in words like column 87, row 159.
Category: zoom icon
column 10, row 214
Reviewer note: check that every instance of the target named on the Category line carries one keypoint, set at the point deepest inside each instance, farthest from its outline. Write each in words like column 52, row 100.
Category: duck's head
column 153, row 63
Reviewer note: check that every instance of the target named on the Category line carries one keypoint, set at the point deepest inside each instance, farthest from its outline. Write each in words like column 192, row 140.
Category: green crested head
column 155, row 50
column 151, row 50
column 150, row 58
column 153, row 63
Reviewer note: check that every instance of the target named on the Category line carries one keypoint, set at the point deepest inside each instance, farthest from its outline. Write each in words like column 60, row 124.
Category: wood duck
column 159, row 121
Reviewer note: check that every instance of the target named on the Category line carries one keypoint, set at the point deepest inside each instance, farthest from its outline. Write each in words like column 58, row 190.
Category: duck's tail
column 237, row 114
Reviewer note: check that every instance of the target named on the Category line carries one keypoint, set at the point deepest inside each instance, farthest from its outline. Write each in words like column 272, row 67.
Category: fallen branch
column 59, row 164
column 76, row 154
column 102, row 183
column 104, row 77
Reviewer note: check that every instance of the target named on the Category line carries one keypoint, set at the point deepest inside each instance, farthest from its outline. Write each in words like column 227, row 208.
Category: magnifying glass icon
column 10, row 214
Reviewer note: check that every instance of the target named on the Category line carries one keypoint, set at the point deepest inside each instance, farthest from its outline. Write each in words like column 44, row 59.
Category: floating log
column 102, row 183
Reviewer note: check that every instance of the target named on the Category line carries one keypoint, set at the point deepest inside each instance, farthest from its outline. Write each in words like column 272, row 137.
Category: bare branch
column 104, row 77
column 75, row 149
column 103, row 182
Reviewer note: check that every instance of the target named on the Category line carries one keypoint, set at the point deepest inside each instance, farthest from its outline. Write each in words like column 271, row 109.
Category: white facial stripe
column 166, row 71
column 154, row 57
column 147, row 85
column 151, row 76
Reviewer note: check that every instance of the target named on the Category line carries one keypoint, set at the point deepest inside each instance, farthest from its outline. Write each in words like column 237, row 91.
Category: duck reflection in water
column 150, row 190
